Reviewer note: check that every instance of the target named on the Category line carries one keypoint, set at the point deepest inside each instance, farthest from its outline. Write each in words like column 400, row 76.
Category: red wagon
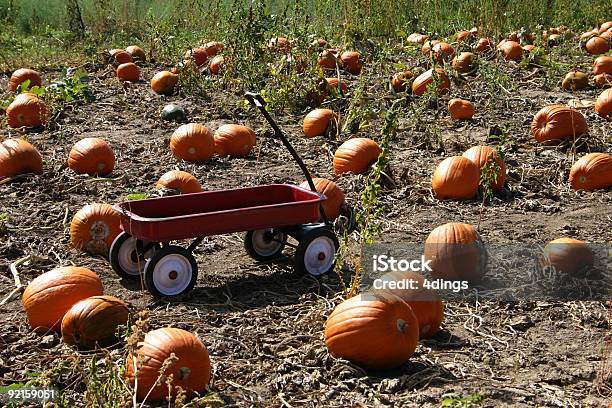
column 270, row 214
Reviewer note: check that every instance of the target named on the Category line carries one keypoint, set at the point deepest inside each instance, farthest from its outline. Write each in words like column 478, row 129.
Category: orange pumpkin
column 49, row 296
column 351, row 61
column 328, row 59
column 511, row 50
column 24, row 74
column 529, row 48
column 427, row 46
column 356, row 155
column 191, row 370
column 605, row 26
column 483, row 155
column 128, row 72
column 425, row 303
column 374, row 329
column 456, row 178
column 597, row 45
column 591, row 172
column 94, row 228
column 193, row 143
column 484, row 45
column 280, row 44
column 26, row 110
column 333, row 193
column 93, row 322
column 136, row 53
column 417, row 38
column 567, row 255
column 456, row 252
column 603, row 80
column 18, row 156
column 91, row 156
column 461, row 109
column 575, row 80
column 463, row 35
column 198, row 55
column 419, row 86
column 215, row 64
column 119, row 56
column 443, row 52
column 318, row 121
column 179, row 180
column 554, row 123
column 465, row 63
column 213, row 48
column 401, row 81
column 163, row 82
column 234, row 140
column 332, row 83
column 602, row 65
column 603, row 104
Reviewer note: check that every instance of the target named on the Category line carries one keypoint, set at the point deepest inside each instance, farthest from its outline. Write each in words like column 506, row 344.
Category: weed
column 457, row 401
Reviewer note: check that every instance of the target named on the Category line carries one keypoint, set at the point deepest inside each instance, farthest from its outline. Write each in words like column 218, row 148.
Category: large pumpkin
column 234, row 140
column 375, row 330
column 351, row 61
column 92, row 156
column 465, row 63
column 119, row 56
column 318, row 121
column 427, row 46
column 163, row 82
column 425, row 303
column 94, row 228
column 190, row 370
column 198, row 55
column 456, row 252
column 17, row 156
column 136, row 53
column 333, row 193
column 597, row 45
column 456, row 178
column 511, row 50
column 443, row 52
column 483, row 155
column 26, row 110
column 23, row 74
column 554, row 123
column 213, row 47
column 591, row 172
column 567, row 255
column 575, row 80
column 128, row 72
column 93, row 322
column 179, row 180
column 328, row 59
column 49, row 296
column 419, row 86
column 484, row 45
column 193, row 143
column 603, row 104
column 460, row 109
column 602, row 65
column 356, row 155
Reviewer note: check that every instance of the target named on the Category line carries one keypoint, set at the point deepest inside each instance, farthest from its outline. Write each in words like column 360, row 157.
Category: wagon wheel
column 172, row 271
column 316, row 252
column 126, row 256
column 264, row 245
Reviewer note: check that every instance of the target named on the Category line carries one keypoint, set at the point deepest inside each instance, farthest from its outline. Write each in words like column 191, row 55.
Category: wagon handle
column 257, row 101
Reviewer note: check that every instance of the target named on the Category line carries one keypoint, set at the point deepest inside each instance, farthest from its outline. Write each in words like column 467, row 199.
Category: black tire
column 171, row 263
column 261, row 247
column 125, row 258
column 316, row 252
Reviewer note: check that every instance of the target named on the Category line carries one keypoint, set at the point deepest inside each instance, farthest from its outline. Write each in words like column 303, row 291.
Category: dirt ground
column 262, row 323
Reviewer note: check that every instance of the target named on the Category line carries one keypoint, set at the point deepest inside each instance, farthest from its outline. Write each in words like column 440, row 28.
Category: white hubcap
column 128, row 259
column 264, row 246
column 172, row 274
column 319, row 255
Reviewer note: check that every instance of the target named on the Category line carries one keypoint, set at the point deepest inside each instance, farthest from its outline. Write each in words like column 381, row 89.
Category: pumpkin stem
column 401, row 325
column 184, row 373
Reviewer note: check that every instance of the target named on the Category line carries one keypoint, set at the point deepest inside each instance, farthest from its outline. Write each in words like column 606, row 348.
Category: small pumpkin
column 334, row 196
column 163, row 82
column 234, row 140
column 94, row 228
column 375, row 330
column 568, row 256
column 482, row 156
column 198, row 55
column 402, row 80
column 443, row 52
column 212, row 48
column 460, row 109
column 529, row 48
column 280, row 44
column 456, row 252
column 173, row 113
column 603, row 104
column 93, row 322
column 119, row 56
column 465, row 63
column 603, row 80
column 597, row 45
column 602, row 65
column 92, row 156
column 425, row 303
column 575, row 80
column 319, row 43
column 215, row 64
column 356, row 155
column 591, row 172
column 484, row 45
column 456, row 178
column 318, row 121
column 554, row 123
column 511, row 50
column 426, row 49
column 128, row 72
column 24, row 74
column 605, row 26
column 332, row 83
column 191, row 370
column 328, row 59
column 351, row 61
column 137, row 53
column 417, row 38
column 49, row 296
column 463, row 35
column 179, row 180
column 18, row 156
column 419, row 86
column 193, row 143
column 26, row 110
